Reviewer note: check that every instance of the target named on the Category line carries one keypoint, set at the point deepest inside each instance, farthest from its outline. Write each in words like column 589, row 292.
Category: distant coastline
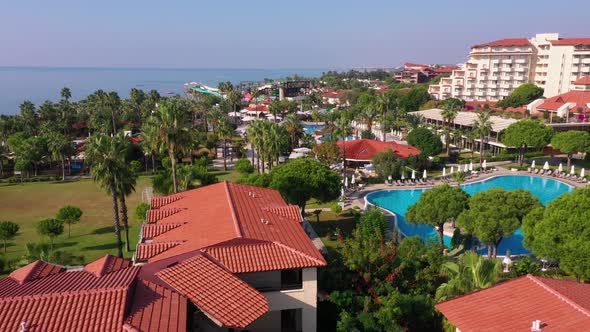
column 41, row 83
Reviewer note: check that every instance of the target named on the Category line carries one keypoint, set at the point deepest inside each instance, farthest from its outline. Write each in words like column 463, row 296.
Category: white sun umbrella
column 424, row 175
column 342, row 192
column 403, row 177
column 352, row 181
column 560, row 168
column 389, row 178
column 346, row 181
column 533, row 164
column 302, row 150
column 471, row 166
column 546, row 166
column 582, row 173
column 234, row 114
column 466, row 168
column 573, row 170
column 452, row 170
column 484, row 164
column 413, row 175
column 444, row 172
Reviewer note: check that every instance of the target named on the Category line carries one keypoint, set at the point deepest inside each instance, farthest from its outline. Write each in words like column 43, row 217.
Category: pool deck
column 357, row 198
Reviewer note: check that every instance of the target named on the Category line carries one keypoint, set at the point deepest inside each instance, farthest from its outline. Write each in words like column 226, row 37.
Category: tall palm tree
column 151, row 142
column 450, row 110
column 342, row 130
column 482, row 127
column 470, row 273
column 65, row 93
column 255, row 136
column 275, row 108
column 60, row 147
column 225, row 132
column 294, row 128
column 174, row 131
column 105, row 155
column 384, row 102
column 125, row 182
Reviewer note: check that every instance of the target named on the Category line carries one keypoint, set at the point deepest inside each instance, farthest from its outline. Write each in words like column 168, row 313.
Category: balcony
column 520, row 61
column 505, row 86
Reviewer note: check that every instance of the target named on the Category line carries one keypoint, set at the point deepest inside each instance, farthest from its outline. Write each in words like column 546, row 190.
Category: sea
column 38, row 84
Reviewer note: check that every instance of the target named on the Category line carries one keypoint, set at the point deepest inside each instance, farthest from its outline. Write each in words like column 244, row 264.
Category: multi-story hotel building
column 496, row 68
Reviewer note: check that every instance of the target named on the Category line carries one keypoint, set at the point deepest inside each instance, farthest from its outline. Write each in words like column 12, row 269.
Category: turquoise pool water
column 310, row 129
column 398, row 201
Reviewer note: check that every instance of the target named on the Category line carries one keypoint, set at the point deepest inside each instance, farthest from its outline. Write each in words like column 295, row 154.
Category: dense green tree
column 61, row 148
column 8, row 231
column 570, row 142
column 29, row 118
column 140, row 211
column 301, row 179
column 495, row 214
column 327, row 153
column 387, row 164
column 29, row 150
column 367, row 109
column 105, row 155
column 412, row 100
column 526, row 134
column 523, row 95
column 294, row 127
column 470, row 273
column 426, row 141
column 50, row 228
column 244, row 166
column 69, row 215
column 438, row 206
column 561, row 232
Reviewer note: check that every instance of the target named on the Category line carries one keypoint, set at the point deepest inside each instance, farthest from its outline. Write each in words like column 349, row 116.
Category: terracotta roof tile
column 218, row 293
column 154, row 215
column 515, row 304
column 156, row 308
column 160, row 201
column 580, row 98
column 34, row 271
column 93, row 310
column 571, row 41
column 146, row 251
column 291, row 211
column 584, row 80
column 506, row 42
column 152, row 230
column 260, row 256
column 106, row 265
column 366, row 149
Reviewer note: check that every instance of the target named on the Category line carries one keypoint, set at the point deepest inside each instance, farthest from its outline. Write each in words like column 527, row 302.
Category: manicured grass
column 27, row 203
column 328, row 224
column 229, row 175
column 315, row 204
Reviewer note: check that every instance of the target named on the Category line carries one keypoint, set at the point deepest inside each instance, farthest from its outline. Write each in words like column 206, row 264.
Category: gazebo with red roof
column 577, row 100
column 363, row 150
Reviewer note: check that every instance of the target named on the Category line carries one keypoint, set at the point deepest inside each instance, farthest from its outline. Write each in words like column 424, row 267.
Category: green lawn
column 229, row 175
column 329, row 222
column 93, row 237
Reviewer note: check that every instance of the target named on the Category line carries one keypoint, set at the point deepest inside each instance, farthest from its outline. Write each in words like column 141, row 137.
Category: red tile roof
column 106, row 265
column 50, row 298
column 571, row 41
column 217, row 292
column 155, row 215
column 145, row 251
column 92, row 310
column 585, row 80
column 156, row 309
column 34, row 271
column 153, row 230
column 225, row 211
column 580, row 98
column 160, row 201
column 506, row 42
column 366, row 149
column 515, row 304
column 256, row 256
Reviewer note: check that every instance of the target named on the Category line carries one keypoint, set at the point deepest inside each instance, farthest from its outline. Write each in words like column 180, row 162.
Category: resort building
column 465, row 120
column 363, row 150
column 527, row 303
column 224, row 257
column 496, row 68
column 419, row 73
column 335, row 97
column 576, row 101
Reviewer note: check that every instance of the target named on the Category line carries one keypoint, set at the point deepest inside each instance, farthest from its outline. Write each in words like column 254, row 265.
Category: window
column 289, row 320
column 291, row 279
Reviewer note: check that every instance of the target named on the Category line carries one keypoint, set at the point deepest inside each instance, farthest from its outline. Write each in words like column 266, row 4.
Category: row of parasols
column 559, row 168
column 463, row 168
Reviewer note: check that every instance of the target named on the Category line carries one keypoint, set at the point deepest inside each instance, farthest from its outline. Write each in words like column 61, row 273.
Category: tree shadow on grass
column 60, row 245
column 104, row 246
column 103, row 230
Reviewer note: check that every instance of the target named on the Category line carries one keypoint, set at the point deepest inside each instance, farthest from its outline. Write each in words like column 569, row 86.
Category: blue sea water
column 398, row 201
column 38, row 84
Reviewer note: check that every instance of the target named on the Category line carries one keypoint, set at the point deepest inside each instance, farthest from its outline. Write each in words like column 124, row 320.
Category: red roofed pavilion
column 577, row 100
column 363, row 150
column 513, row 306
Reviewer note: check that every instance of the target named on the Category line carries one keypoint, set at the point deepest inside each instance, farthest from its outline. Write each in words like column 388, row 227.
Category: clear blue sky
column 269, row 34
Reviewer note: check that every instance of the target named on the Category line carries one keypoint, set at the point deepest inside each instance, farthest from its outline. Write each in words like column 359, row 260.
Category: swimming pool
column 398, row 201
column 311, row 128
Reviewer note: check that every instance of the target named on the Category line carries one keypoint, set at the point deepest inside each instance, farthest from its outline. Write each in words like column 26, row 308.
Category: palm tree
column 458, row 176
column 342, row 130
column 383, row 103
column 294, row 127
column 470, row 273
column 450, row 111
column 256, row 136
column 275, row 108
column 60, row 147
column 105, row 156
column 225, row 133
column 368, row 114
column 174, row 130
column 414, row 121
column 151, row 142
column 482, row 126
column 65, row 93
column 126, row 182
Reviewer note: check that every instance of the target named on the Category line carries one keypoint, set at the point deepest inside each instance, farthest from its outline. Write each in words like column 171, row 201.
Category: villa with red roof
column 576, row 101
column 528, row 303
column 224, row 257
column 363, row 150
